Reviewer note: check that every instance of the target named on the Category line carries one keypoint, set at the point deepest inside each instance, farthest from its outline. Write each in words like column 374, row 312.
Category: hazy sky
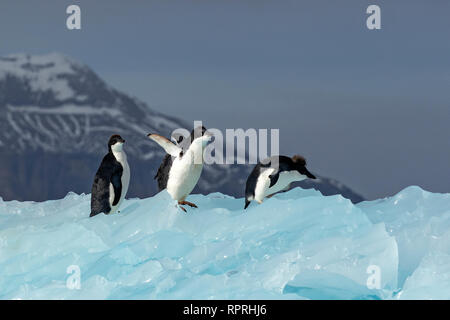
column 369, row 108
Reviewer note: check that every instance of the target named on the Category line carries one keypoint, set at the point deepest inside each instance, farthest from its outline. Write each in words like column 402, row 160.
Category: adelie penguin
column 183, row 164
column 275, row 174
column 111, row 180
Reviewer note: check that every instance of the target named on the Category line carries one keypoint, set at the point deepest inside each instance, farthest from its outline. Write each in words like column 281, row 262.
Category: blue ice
column 296, row 245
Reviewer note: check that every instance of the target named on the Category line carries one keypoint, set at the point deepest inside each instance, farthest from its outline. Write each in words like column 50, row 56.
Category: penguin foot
column 190, row 204
column 182, row 209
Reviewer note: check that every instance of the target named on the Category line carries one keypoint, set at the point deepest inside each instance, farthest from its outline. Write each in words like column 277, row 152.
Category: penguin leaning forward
column 182, row 166
column 273, row 175
column 111, row 180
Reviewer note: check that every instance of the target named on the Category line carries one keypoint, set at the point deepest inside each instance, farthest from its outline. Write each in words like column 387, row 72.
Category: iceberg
column 296, row 245
column 420, row 222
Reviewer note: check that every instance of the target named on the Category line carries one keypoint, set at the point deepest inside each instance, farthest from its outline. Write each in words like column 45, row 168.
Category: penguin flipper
column 116, row 181
column 166, row 144
column 273, row 179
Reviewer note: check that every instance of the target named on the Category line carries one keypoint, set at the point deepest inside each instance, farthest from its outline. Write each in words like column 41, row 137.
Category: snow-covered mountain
column 54, row 104
column 56, row 117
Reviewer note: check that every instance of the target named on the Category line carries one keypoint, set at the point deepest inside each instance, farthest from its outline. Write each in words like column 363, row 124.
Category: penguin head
column 300, row 166
column 115, row 143
column 201, row 135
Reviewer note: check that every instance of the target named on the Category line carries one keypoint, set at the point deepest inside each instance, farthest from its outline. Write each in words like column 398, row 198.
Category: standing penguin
column 111, row 180
column 274, row 175
column 182, row 166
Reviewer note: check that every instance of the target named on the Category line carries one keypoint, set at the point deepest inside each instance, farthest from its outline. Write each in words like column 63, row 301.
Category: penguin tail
column 247, row 203
column 93, row 214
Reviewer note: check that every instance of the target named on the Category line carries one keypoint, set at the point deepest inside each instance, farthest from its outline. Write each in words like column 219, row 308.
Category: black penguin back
column 108, row 172
column 251, row 184
column 162, row 176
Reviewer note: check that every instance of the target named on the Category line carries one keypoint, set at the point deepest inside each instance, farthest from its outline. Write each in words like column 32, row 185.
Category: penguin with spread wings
column 182, row 166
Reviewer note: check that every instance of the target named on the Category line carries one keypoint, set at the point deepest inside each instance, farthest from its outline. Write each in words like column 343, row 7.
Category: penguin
column 273, row 175
column 182, row 166
column 111, row 180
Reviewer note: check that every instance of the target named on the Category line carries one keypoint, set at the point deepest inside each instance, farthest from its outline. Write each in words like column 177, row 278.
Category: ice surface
column 296, row 245
column 420, row 222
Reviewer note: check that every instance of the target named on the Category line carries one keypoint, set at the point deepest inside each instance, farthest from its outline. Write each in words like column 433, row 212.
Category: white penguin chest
column 183, row 176
column 285, row 178
column 121, row 157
